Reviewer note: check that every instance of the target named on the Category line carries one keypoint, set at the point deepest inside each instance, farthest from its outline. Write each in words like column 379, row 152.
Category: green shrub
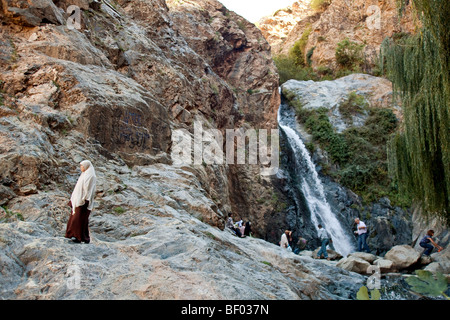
column 288, row 69
column 119, row 210
column 318, row 124
column 354, row 104
column 320, row 5
column 309, row 56
column 297, row 52
column 359, row 153
column 349, row 54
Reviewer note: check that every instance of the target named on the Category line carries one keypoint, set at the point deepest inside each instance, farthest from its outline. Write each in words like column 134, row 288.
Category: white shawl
column 85, row 187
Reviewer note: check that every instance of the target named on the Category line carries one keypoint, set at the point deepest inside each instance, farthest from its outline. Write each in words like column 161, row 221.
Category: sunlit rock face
column 361, row 21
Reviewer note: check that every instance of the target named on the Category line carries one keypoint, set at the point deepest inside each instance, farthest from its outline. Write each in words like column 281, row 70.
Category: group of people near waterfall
column 361, row 232
column 82, row 201
column 325, row 240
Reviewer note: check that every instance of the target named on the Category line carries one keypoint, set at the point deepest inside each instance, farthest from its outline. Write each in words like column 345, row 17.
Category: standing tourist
column 82, row 202
column 361, row 231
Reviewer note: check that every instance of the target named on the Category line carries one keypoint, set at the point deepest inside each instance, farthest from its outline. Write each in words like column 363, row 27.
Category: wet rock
column 440, row 262
column 332, row 255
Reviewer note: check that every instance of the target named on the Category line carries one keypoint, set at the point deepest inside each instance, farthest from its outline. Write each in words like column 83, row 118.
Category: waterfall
column 311, row 185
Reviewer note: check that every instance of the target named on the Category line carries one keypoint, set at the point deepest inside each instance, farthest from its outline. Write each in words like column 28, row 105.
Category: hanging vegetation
column 418, row 66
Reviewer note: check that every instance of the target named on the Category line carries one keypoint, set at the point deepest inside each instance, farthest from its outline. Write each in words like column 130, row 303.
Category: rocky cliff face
column 361, row 21
column 120, row 83
column 114, row 89
column 277, row 27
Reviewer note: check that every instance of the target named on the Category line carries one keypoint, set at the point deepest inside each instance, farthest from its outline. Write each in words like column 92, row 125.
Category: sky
column 253, row 10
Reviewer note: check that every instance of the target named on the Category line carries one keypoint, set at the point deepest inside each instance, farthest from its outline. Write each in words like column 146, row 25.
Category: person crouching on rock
column 82, row 202
column 425, row 243
column 230, row 224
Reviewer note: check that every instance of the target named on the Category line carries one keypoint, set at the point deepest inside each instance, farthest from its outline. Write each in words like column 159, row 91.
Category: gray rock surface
column 330, row 94
column 153, row 248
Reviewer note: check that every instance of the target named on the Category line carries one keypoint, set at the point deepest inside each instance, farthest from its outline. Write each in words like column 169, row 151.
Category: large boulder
column 370, row 258
column 403, row 256
column 355, row 264
column 384, row 265
column 313, row 95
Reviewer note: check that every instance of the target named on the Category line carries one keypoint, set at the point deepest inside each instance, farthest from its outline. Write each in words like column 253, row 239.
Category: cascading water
column 311, row 185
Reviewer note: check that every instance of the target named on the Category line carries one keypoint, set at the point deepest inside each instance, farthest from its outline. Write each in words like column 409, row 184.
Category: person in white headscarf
column 82, row 203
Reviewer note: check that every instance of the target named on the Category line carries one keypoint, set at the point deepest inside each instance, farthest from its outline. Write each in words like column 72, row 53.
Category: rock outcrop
column 122, row 82
column 114, row 90
column 312, row 95
column 388, row 224
column 361, row 21
column 277, row 27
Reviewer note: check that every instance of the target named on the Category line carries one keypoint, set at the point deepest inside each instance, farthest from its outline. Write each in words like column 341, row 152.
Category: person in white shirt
column 284, row 243
column 230, row 224
column 324, row 240
column 361, row 231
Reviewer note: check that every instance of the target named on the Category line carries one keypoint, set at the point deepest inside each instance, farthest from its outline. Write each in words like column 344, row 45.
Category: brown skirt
column 78, row 224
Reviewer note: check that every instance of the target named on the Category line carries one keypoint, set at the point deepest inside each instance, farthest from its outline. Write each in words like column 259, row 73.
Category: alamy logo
column 74, row 20
column 374, row 281
column 208, row 145
column 374, row 20
column 73, row 274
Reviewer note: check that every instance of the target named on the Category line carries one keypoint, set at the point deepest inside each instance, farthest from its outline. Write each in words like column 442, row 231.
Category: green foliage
column 267, row 263
column 418, row 66
column 359, row 153
column 323, row 132
column 354, row 104
column 297, row 65
column 288, row 69
column 320, row 5
column 297, row 52
column 363, row 294
column 309, row 56
column 367, row 172
column 349, row 54
column 10, row 215
column 425, row 283
column 119, row 210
